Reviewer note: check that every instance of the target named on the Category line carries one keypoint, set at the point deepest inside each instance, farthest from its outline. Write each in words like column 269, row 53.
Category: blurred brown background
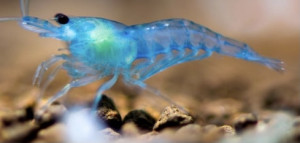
column 271, row 27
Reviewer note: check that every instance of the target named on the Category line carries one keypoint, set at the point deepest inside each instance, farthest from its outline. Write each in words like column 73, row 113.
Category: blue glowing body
column 100, row 47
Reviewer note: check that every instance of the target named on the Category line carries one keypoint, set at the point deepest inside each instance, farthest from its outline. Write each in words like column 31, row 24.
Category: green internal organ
column 101, row 45
column 113, row 51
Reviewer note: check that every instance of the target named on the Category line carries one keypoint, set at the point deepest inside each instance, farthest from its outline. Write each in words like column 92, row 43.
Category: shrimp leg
column 50, row 78
column 160, row 65
column 135, row 69
column 107, row 85
column 179, row 59
column 72, row 68
column 152, row 90
column 44, row 66
column 74, row 83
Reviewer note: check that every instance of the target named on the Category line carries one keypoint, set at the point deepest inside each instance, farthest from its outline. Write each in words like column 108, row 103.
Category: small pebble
column 108, row 113
column 141, row 119
column 17, row 116
column 20, row 132
column 227, row 130
column 172, row 116
column 53, row 114
column 244, row 121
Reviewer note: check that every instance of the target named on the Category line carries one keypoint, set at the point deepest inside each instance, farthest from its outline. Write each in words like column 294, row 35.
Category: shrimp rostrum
column 100, row 47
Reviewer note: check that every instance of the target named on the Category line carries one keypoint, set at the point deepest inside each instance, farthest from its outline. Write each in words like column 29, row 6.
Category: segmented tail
column 241, row 50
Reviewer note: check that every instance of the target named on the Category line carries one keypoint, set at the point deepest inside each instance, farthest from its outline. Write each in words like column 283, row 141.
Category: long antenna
column 24, row 4
column 3, row 19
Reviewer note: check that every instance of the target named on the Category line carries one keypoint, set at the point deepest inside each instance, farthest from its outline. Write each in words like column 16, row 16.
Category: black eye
column 61, row 18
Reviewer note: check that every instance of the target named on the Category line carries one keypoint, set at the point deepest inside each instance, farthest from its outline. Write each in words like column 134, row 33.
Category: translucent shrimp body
column 100, row 47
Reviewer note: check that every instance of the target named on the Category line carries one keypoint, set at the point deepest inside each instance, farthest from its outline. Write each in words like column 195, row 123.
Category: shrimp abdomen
column 177, row 40
column 163, row 36
column 171, row 38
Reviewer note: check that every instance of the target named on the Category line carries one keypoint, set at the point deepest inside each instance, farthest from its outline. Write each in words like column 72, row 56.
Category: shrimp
column 101, row 47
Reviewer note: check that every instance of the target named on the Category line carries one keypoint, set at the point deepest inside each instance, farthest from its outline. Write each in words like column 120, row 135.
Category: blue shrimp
column 101, row 47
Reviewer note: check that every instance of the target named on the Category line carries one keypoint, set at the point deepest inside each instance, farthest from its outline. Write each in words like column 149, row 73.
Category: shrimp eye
column 61, row 18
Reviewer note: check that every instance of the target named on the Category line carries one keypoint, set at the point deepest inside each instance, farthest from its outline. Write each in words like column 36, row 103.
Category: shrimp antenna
column 24, row 4
column 3, row 19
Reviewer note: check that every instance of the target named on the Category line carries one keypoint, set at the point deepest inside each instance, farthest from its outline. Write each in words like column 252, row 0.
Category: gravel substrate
column 172, row 125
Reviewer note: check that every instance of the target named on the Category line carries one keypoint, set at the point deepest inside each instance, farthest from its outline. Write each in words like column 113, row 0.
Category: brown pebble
column 53, row 114
column 108, row 113
column 227, row 130
column 244, row 121
column 20, row 132
column 172, row 117
column 18, row 116
column 141, row 119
